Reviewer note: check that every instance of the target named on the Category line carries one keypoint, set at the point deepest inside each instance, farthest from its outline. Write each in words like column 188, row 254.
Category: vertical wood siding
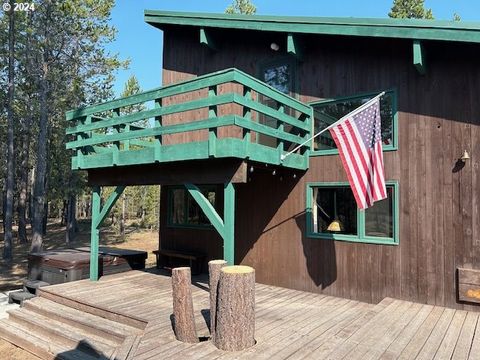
column 439, row 117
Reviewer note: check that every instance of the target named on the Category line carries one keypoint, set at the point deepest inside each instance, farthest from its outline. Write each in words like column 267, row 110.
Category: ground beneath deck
column 289, row 324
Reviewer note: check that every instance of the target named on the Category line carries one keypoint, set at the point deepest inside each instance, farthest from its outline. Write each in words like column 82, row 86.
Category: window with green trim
column 332, row 213
column 326, row 112
column 183, row 210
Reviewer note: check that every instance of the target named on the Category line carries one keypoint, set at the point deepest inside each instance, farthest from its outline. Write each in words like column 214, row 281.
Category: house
column 241, row 91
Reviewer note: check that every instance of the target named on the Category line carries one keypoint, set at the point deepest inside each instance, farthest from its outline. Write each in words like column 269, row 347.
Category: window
column 326, row 112
column 332, row 213
column 183, row 210
column 281, row 76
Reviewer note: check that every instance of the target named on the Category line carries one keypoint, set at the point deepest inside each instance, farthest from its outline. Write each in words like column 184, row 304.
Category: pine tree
column 241, row 7
column 410, row 9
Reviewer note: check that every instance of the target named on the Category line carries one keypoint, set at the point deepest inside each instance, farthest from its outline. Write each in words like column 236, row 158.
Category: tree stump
column 235, row 314
column 183, row 317
column 214, row 268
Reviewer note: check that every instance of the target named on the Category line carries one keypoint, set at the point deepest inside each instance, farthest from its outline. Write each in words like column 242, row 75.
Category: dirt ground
column 12, row 274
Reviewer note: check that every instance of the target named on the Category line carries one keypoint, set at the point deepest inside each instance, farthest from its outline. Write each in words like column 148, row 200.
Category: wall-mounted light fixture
column 465, row 156
column 274, row 46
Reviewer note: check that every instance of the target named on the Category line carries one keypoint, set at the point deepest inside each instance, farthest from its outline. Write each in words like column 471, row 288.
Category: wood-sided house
column 240, row 91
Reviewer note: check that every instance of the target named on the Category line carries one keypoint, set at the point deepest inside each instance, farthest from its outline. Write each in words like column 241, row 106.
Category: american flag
column 359, row 142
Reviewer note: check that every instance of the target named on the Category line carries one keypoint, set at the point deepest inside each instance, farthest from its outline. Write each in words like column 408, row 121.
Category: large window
column 332, row 213
column 326, row 112
column 183, row 210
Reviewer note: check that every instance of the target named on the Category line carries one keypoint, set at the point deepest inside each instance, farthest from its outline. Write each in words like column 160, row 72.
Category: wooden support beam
column 419, row 57
column 207, row 40
column 229, row 223
column 225, row 227
column 112, row 199
column 295, row 46
column 95, row 234
column 206, row 207
column 98, row 215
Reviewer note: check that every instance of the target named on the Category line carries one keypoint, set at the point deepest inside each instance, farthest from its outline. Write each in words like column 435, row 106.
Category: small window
column 326, row 112
column 332, row 213
column 183, row 210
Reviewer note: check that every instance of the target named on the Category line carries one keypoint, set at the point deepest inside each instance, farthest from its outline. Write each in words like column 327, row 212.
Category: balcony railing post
column 116, row 144
column 84, row 121
column 212, row 132
column 158, row 138
column 247, row 115
column 281, row 128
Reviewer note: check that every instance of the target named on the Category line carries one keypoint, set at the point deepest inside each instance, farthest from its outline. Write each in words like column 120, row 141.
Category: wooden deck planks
column 289, row 323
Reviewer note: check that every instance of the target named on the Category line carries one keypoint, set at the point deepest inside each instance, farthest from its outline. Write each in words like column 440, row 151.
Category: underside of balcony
column 223, row 115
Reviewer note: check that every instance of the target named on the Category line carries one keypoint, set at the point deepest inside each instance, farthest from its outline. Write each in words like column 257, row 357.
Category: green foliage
column 241, row 7
column 456, row 17
column 410, row 9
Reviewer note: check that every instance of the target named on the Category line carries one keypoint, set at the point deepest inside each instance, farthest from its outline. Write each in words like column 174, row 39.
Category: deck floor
column 289, row 324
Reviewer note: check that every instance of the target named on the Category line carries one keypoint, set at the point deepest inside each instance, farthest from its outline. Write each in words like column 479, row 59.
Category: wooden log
column 214, row 268
column 183, row 317
column 235, row 314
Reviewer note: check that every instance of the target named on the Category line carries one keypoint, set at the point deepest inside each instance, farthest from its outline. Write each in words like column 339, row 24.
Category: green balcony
column 226, row 114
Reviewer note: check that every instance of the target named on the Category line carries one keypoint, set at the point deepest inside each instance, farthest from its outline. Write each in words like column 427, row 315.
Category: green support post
column 95, row 234
column 98, row 215
column 229, row 223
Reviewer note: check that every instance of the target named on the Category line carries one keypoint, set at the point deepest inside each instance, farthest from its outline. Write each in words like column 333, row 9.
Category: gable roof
column 369, row 27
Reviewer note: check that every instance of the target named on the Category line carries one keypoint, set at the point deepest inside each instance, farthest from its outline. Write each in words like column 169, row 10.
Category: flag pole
column 352, row 113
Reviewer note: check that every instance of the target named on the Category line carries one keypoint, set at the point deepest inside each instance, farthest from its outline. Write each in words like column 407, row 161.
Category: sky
column 142, row 44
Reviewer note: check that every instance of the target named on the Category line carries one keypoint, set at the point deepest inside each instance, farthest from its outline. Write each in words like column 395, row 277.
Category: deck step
column 108, row 329
column 43, row 348
column 91, row 309
column 62, row 334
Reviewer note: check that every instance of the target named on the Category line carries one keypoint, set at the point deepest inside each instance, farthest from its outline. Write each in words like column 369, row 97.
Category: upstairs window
column 326, row 112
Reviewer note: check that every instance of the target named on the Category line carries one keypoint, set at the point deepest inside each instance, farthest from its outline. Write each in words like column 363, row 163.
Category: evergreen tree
column 410, row 9
column 241, row 7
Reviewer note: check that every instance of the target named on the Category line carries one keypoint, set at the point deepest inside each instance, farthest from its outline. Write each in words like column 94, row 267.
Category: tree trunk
column 23, row 191
column 39, row 195
column 235, row 315
column 7, row 249
column 214, row 268
column 183, row 317
column 71, row 219
column 122, row 219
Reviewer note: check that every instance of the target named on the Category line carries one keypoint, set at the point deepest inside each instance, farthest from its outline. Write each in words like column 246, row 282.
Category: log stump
column 183, row 317
column 214, row 268
column 235, row 314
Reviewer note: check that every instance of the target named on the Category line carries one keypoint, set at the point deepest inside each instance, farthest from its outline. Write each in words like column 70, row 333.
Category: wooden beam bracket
column 295, row 46
column 419, row 57
column 207, row 39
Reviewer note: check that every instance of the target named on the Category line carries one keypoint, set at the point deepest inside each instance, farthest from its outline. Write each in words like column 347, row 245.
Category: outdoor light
column 465, row 156
column 274, row 46
column 335, row 226
column 251, row 169
column 274, row 172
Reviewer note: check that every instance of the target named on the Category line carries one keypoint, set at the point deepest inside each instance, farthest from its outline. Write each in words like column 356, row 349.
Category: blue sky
column 142, row 44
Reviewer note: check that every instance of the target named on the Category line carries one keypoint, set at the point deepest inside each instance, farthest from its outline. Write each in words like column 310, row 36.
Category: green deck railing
column 223, row 114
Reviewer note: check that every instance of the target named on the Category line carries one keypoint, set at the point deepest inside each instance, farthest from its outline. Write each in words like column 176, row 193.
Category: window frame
column 186, row 225
column 361, row 237
column 390, row 147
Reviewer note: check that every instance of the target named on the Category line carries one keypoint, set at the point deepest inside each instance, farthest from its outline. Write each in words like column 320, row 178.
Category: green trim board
column 392, row 92
column 361, row 237
column 460, row 31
